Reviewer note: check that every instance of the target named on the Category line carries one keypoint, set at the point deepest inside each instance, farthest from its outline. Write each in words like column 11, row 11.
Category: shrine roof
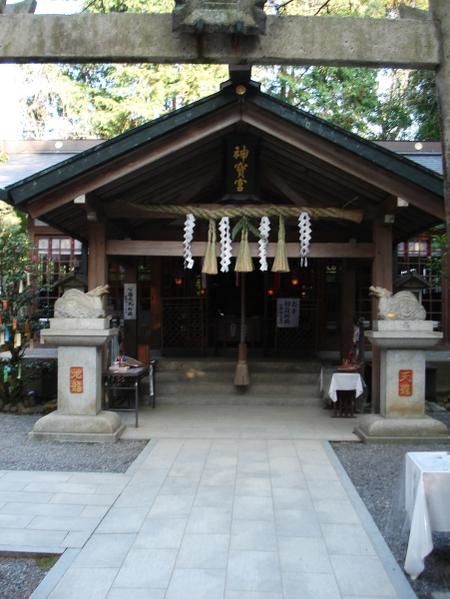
column 170, row 156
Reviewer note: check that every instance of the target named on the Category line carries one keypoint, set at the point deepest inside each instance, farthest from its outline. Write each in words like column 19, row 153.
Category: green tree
column 105, row 100
column 17, row 288
column 387, row 105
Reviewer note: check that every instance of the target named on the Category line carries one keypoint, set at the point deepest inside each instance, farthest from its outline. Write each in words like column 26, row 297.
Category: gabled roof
column 178, row 159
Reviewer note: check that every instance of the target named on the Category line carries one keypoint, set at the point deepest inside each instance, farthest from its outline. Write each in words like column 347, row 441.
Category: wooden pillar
column 441, row 15
column 348, row 293
column 97, row 260
column 382, row 276
column 155, row 303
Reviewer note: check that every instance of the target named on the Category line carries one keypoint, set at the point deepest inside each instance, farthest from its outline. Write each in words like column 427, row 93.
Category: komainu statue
column 76, row 304
column 403, row 305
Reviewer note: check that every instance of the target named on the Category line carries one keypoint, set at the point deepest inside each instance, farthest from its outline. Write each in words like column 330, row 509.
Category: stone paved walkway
column 203, row 519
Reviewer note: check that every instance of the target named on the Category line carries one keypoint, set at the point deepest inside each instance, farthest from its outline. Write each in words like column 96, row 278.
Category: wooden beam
column 346, row 161
column 132, row 161
column 292, row 195
column 293, row 40
column 117, row 247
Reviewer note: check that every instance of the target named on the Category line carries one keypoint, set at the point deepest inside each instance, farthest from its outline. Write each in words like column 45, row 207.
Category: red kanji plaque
column 76, row 379
column 405, row 383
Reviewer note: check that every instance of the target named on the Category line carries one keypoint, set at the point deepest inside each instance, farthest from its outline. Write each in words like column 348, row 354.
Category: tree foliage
column 105, row 100
column 18, row 275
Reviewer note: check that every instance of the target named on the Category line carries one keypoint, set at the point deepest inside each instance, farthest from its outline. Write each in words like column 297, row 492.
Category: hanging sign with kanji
column 405, row 383
column 129, row 301
column 241, row 175
column 288, row 312
column 76, row 379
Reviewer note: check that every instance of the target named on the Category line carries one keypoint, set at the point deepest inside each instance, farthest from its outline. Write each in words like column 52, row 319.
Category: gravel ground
column 377, row 471
column 20, row 576
column 19, row 452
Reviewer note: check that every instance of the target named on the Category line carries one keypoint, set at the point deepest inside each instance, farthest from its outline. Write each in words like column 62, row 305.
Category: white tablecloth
column 345, row 381
column 427, row 502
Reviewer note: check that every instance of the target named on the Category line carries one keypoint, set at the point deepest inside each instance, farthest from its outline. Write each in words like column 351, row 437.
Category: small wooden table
column 126, row 379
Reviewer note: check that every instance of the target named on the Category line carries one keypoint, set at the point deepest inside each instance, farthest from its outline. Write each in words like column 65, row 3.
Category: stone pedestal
column 402, row 384
column 79, row 416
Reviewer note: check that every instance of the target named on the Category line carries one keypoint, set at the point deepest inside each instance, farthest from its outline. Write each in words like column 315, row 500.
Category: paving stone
column 201, row 584
column 121, row 519
column 251, row 595
column 252, row 535
column 221, row 497
column 361, row 575
column 161, row 533
column 15, row 520
column 33, row 538
column 170, row 506
column 301, row 585
column 43, row 509
column 304, row 555
column 253, row 508
column 285, row 499
column 254, row 571
column 136, row 594
column 209, row 520
column 63, row 523
column 78, row 499
column 92, row 583
column 105, row 551
column 336, row 511
column 204, row 551
column 150, row 568
column 347, row 539
column 297, row 523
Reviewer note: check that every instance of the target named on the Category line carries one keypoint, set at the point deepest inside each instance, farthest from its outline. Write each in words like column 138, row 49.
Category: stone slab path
column 203, row 519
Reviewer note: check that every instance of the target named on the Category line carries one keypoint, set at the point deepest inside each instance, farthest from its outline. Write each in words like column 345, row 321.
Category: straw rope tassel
column 210, row 260
column 244, row 261
column 280, row 264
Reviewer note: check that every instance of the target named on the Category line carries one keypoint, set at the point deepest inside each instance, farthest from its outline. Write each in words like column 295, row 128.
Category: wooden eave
column 178, row 159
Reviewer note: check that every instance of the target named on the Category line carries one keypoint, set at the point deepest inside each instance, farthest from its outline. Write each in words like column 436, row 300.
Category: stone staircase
column 210, row 382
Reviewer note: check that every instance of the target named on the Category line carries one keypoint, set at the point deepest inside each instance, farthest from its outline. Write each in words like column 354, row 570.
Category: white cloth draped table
column 427, row 502
column 345, row 381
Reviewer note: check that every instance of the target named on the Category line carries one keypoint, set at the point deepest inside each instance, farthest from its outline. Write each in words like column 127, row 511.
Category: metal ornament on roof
column 264, row 231
column 225, row 244
column 189, row 226
column 304, row 230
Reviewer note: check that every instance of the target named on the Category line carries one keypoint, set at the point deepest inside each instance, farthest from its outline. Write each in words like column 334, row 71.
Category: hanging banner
column 288, row 312
column 129, row 301
column 241, row 166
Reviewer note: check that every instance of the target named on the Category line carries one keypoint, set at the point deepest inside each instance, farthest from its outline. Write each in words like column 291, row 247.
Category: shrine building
column 241, row 155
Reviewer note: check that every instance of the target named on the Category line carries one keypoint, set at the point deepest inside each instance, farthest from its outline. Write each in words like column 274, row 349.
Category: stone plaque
column 76, row 379
column 405, row 383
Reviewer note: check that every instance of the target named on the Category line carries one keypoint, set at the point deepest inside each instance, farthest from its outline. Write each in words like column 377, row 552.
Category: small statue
column 401, row 306
column 76, row 304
